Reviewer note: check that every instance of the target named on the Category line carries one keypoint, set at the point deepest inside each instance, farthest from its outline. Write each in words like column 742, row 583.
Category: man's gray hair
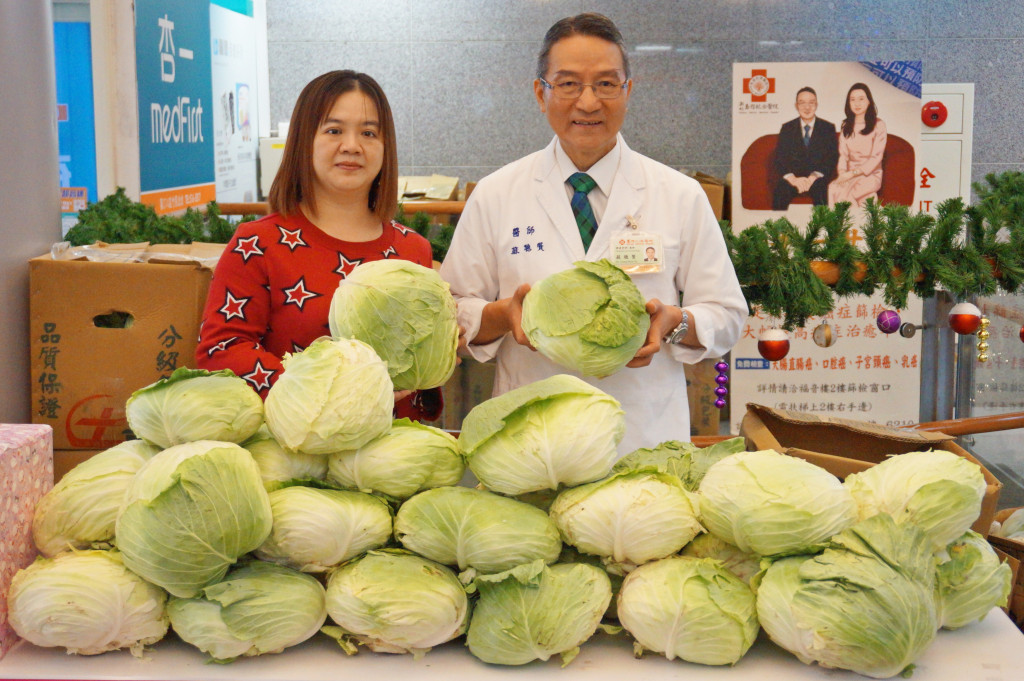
column 589, row 23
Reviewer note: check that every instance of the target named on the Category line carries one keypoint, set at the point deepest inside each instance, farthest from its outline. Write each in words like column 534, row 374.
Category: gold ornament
column 824, row 335
column 984, row 323
column 983, row 335
column 983, row 357
column 982, row 346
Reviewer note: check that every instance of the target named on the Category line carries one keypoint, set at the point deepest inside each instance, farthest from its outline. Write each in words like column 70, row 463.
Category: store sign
column 860, row 373
column 176, row 141
column 76, row 130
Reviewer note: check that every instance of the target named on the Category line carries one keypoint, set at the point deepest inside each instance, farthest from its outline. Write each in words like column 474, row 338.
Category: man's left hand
column 664, row 318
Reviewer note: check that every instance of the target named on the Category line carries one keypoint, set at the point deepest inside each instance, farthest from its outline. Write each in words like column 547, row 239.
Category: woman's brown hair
column 294, row 181
column 870, row 116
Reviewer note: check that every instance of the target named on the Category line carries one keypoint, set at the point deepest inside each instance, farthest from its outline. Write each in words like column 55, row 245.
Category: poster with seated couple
column 807, row 134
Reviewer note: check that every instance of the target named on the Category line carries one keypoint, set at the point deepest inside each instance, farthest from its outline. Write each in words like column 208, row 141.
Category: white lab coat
column 517, row 227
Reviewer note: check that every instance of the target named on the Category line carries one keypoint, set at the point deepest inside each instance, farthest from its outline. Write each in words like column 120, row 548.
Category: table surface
column 991, row 650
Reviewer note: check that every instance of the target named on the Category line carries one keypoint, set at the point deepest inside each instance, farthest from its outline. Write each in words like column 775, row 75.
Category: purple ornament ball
column 721, row 391
column 720, row 403
column 721, row 379
column 888, row 321
column 721, row 367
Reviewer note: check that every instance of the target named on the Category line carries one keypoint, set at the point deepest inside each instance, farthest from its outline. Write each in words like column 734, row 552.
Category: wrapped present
column 26, row 474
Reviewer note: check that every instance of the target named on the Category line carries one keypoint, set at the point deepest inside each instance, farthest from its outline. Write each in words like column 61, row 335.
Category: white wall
column 29, row 185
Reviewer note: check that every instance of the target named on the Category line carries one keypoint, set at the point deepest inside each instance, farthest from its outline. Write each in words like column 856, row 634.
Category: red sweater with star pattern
column 271, row 293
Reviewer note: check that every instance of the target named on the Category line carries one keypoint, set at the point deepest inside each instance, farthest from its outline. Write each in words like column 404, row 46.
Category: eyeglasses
column 571, row 89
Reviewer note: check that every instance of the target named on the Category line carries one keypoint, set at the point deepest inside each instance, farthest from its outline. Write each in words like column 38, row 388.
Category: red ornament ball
column 773, row 344
column 965, row 318
column 888, row 321
column 1022, row 334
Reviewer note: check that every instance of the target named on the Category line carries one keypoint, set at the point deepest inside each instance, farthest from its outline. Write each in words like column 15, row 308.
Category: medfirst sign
column 176, row 140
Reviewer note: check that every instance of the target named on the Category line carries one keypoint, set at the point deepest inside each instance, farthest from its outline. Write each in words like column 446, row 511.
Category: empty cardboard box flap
column 203, row 254
column 844, row 446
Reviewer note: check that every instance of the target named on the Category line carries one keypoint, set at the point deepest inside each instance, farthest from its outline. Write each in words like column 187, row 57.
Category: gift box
column 26, row 474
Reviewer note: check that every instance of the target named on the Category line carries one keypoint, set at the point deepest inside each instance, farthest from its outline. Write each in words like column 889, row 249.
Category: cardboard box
column 26, row 474
column 715, row 189
column 1013, row 550
column 471, row 384
column 843, row 447
column 104, row 327
column 705, row 417
column 66, row 459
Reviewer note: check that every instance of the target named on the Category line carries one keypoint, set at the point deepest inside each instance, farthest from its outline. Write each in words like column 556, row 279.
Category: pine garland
column 788, row 288
column 967, row 251
column 439, row 235
column 119, row 220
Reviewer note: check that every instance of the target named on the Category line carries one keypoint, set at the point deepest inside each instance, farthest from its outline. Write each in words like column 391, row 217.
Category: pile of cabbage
column 248, row 531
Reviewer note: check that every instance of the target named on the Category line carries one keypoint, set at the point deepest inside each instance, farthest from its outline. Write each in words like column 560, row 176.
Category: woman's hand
column 848, row 175
column 664, row 318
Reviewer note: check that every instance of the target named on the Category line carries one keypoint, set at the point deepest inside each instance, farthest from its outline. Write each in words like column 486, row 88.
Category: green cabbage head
column 936, row 490
column 557, row 431
column 1012, row 527
column 80, row 511
column 972, row 580
column 684, row 460
column 743, row 565
column 691, row 608
column 194, row 404
column 334, row 395
column 408, row 458
column 672, row 457
column 628, row 518
column 771, row 504
column 258, row 609
column 590, row 319
column 533, row 611
column 867, row 603
column 280, row 467
column 316, row 529
column 191, row 511
column 87, row 602
column 395, row 602
column 475, row 529
column 406, row 313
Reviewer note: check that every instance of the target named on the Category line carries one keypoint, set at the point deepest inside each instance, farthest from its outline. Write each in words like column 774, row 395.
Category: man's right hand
column 515, row 315
column 504, row 316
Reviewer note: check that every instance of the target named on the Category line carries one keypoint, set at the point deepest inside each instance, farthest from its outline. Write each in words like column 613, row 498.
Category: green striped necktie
column 585, row 220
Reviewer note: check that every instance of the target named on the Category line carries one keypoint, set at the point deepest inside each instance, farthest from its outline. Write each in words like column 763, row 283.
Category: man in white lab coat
column 518, row 227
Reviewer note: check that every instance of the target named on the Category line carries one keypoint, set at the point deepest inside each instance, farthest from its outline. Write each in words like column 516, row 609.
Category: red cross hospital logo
column 759, row 85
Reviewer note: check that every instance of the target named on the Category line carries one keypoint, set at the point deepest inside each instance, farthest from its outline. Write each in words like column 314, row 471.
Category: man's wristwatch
column 677, row 334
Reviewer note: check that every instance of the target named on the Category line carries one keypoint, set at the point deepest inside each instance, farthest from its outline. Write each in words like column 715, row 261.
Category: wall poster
column 232, row 38
column 818, row 133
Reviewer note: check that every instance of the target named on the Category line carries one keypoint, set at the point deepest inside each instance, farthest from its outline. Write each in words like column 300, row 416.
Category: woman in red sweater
column 331, row 203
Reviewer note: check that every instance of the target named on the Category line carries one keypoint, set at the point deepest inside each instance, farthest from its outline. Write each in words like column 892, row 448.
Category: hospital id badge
column 637, row 252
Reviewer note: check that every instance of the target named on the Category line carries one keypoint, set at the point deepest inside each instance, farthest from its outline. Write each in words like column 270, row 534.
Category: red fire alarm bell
column 934, row 114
